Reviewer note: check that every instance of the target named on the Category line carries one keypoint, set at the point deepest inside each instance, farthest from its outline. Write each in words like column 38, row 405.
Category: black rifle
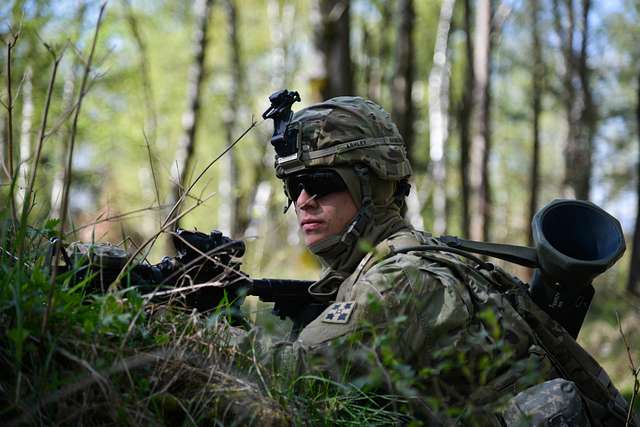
column 575, row 241
column 204, row 275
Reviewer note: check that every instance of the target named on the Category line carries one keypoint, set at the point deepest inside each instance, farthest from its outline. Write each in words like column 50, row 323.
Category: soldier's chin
column 312, row 237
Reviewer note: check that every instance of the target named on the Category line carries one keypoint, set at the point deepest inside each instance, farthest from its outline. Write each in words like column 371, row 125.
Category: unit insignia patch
column 339, row 312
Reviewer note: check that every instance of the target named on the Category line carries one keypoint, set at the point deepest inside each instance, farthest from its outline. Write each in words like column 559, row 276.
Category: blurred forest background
column 504, row 106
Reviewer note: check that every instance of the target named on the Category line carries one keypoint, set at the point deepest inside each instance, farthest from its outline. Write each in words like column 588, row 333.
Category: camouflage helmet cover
column 345, row 131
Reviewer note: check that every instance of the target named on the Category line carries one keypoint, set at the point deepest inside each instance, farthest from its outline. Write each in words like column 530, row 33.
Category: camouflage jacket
column 434, row 327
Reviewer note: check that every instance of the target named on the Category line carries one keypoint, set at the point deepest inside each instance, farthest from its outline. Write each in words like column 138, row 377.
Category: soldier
column 454, row 329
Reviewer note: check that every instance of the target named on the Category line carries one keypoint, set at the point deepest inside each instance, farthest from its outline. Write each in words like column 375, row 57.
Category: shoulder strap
column 604, row 402
column 384, row 249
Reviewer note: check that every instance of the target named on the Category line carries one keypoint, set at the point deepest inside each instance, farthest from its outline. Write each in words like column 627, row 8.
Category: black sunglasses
column 316, row 183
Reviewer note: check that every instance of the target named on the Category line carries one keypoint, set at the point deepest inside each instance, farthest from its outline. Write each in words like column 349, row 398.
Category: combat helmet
column 350, row 135
column 345, row 130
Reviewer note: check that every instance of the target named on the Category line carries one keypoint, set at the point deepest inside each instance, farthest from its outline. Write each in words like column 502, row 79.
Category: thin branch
column 10, row 45
column 635, row 372
column 94, row 377
column 152, row 167
column 254, row 123
column 114, row 218
column 74, row 129
column 152, row 240
column 67, row 180
column 64, row 115
column 41, row 138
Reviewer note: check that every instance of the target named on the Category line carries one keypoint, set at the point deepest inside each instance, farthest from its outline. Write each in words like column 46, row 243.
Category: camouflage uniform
column 435, row 306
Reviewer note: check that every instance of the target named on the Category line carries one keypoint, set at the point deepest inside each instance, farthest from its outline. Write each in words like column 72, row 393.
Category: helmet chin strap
column 334, row 247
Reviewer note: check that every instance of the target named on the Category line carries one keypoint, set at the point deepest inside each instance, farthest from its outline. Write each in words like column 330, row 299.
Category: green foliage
column 108, row 351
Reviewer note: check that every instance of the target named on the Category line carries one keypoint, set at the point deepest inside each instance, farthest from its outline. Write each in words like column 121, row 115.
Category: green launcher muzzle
column 575, row 241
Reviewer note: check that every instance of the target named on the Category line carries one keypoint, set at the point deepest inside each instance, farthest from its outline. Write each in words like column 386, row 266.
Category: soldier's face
column 321, row 217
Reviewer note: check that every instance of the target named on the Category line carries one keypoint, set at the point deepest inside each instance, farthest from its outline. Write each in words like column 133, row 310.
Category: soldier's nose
column 306, row 201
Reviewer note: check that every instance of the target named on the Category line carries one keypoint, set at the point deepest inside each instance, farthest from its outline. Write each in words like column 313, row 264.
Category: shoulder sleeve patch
column 339, row 312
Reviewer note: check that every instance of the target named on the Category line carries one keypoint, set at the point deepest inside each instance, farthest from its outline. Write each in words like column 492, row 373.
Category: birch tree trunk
column 229, row 210
column 480, row 195
column 186, row 144
column 634, row 268
column 537, row 83
column 257, row 218
column 332, row 41
column 57, row 184
column 25, row 138
column 439, row 116
column 402, row 109
column 464, row 121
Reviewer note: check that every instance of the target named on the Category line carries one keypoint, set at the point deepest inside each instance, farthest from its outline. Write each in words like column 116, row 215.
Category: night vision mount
column 283, row 140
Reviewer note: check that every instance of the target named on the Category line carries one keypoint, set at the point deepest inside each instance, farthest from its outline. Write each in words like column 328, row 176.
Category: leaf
column 162, row 339
column 88, row 325
column 18, row 335
column 51, row 224
column 400, row 319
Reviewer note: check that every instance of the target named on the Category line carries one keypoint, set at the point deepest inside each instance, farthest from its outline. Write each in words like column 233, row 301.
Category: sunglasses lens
column 317, row 183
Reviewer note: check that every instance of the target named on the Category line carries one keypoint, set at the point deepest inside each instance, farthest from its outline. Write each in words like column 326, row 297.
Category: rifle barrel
column 270, row 290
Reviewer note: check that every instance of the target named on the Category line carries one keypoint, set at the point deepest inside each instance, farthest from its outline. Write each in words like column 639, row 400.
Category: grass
column 111, row 360
column 115, row 359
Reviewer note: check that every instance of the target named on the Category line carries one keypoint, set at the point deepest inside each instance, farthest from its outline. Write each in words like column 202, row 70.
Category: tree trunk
column 577, row 98
column 25, row 139
column 537, row 82
column 260, row 190
column 68, row 99
column 480, row 196
column 439, row 117
column 68, row 102
column 587, row 116
column 151, row 119
column 229, row 210
column 634, row 268
column 186, row 144
column 402, row 109
column 380, row 73
column 367, row 58
column 3, row 149
column 464, row 121
column 332, row 40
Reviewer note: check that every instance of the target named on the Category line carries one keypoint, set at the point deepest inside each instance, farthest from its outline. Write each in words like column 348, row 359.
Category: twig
column 99, row 379
column 151, row 240
column 10, row 45
column 43, row 127
column 114, row 218
column 256, row 365
column 130, row 363
column 152, row 167
column 67, row 175
column 176, row 206
column 81, row 95
column 635, row 372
